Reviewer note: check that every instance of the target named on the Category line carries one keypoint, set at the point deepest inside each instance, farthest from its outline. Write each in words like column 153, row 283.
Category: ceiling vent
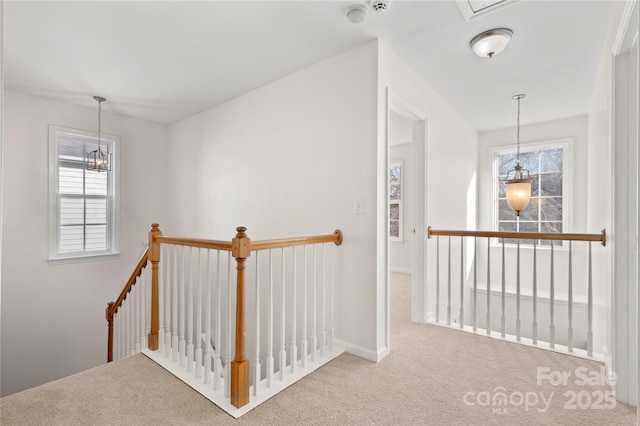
column 472, row 9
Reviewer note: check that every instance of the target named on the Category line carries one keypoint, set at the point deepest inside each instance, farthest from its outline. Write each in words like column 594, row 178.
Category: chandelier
column 99, row 160
column 518, row 182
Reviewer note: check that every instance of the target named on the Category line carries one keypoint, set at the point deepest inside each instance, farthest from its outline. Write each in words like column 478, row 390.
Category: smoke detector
column 380, row 5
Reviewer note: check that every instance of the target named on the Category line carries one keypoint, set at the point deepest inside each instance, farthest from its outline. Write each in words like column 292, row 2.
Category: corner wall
column 53, row 322
column 286, row 160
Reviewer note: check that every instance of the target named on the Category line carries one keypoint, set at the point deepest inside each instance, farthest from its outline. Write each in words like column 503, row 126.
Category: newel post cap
column 241, row 244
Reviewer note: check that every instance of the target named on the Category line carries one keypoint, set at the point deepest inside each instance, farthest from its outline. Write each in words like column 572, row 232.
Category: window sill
column 83, row 258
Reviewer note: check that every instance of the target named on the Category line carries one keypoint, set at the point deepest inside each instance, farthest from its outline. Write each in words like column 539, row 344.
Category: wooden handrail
column 194, row 242
column 335, row 238
column 602, row 237
column 112, row 307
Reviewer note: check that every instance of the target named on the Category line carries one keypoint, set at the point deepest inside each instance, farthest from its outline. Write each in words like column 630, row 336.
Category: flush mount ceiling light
column 356, row 13
column 99, row 160
column 491, row 42
column 518, row 182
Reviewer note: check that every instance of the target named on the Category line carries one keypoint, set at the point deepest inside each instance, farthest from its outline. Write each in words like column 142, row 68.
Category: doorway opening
column 406, row 213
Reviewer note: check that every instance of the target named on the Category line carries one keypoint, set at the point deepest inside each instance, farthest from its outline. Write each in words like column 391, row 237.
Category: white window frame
column 566, row 144
column 113, row 218
column 400, row 164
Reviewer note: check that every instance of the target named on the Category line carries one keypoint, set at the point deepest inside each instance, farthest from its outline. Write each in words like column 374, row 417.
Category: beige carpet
column 425, row 380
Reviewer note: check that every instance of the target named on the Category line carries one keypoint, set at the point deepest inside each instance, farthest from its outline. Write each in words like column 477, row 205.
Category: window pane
column 71, row 150
column 96, row 182
column 551, row 160
column 531, row 212
column 71, row 238
column 535, row 185
column 71, row 211
column 528, row 227
column 505, row 212
column 96, row 237
column 551, row 227
column 96, row 211
column 529, row 161
column 506, row 163
column 394, row 211
column 551, row 184
column 70, row 180
column 551, row 209
column 395, row 187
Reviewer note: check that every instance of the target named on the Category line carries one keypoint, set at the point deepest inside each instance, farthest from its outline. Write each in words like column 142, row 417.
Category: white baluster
column 256, row 359
column 270, row 360
column 323, row 335
column 168, row 274
column 217, row 362
column 207, row 323
column 535, row 294
column 137, row 308
column 174, row 305
column 502, row 318
column 283, row 309
column 437, row 278
column 449, row 284
column 191, row 278
column 303, row 343
column 570, row 307
column 314, row 338
column 161, row 285
column 488, row 287
column 475, row 284
column 294, row 347
column 227, row 356
column 461, row 282
column 552, row 327
column 182, row 308
column 331, row 283
column 198, row 336
column 589, row 309
column 143, row 332
column 518, row 290
column 130, row 324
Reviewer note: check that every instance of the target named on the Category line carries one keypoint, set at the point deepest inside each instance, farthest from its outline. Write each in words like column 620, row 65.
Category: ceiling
column 164, row 61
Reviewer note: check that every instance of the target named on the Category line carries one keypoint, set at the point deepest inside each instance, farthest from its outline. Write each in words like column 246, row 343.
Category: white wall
column 289, row 159
column 53, row 320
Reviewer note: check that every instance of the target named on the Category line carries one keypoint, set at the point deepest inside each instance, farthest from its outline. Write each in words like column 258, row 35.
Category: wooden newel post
column 109, row 316
column 240, row 249
column 154, row 257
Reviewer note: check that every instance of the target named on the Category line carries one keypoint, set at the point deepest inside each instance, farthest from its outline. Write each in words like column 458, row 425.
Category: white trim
column 368, row 354
column 622, row 40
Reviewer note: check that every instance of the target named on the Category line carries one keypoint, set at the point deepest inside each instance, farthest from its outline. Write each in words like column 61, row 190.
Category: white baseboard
column 369, row 355
column 401, row 270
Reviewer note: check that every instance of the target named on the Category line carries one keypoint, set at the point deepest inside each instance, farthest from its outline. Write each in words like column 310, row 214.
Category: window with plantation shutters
column 83, row 203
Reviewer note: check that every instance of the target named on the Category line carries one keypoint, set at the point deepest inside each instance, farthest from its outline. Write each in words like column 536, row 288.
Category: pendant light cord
column 100, row 121
column 518, row 133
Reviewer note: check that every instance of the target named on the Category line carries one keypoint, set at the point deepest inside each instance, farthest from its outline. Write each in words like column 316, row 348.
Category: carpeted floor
column 433, row 376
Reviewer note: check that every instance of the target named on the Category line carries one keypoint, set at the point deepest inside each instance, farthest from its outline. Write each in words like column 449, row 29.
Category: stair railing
column 182, row 287
column 511, row 286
